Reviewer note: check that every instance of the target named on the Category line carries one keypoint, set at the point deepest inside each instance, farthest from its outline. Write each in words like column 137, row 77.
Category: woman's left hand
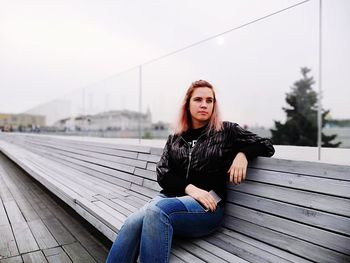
column 238, row 169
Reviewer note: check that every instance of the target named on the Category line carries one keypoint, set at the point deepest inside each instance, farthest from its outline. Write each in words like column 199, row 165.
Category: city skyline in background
column 66, row 51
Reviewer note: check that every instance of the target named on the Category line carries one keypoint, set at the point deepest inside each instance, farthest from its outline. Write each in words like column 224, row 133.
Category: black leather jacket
column 206, row 164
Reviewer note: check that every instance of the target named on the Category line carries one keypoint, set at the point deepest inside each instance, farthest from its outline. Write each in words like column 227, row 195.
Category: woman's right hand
column 201, row 196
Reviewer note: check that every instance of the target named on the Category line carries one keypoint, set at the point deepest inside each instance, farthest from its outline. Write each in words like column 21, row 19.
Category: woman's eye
column 209, row 101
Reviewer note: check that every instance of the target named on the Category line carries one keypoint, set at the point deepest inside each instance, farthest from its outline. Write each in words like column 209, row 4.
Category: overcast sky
column 53, row 49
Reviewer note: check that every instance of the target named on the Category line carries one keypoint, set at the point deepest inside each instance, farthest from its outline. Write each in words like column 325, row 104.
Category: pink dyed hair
column 184, row 119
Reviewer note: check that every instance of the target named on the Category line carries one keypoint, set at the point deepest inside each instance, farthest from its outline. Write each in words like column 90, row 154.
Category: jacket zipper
column 190, row 150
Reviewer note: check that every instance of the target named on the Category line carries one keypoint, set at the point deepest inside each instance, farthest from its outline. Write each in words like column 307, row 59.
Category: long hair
column 184, row 120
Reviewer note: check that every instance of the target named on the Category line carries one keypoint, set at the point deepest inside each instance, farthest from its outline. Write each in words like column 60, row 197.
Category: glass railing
column 256, row 69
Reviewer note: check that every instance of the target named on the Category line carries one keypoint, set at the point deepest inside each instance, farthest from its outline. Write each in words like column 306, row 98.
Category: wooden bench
column 286, row 211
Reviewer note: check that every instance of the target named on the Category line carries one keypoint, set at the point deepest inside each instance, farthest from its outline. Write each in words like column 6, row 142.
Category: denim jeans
column 148, row 232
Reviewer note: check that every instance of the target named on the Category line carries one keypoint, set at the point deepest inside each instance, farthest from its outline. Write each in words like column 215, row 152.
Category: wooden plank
column 151, row 166
column 175, row 259
column 311, row 234
column 16, row 259
column 89, row 142
column 24, row 238
column 285, row 242
column 219, row 252
column 91, row 148
column 27, row 210
column 34, row 257
column 152, row 185
column 115, row 177
column 119, row 206
column 60, row 233
column 148, row 157
column 146, row 174
column 56, row 255
column 185, row 255
column 42, row 235
column 302, row 167
column 8, row 247
column 13, row 212
column 201, row 253
column 144, row 191
column 5, row 194
column 335, row 205
column 253, row 247
column 81, row 154
column 105, row 230
column 113, row 212
column 58, row 173
column 77, row 253
column 310, row 183
column 3, row 216
column 108, row 174
column 111, row 221
column 302, row 215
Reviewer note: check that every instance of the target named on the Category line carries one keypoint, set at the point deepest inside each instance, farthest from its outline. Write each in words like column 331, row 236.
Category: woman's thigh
column 188, row 218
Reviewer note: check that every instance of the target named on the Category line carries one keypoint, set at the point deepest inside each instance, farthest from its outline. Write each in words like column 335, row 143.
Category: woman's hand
column 238, row 169
column 201, row 196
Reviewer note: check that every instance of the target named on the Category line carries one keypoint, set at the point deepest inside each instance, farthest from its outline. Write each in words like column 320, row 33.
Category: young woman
column 197, row 161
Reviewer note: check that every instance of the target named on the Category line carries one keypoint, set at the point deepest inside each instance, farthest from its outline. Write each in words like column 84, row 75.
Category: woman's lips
column 203, row 112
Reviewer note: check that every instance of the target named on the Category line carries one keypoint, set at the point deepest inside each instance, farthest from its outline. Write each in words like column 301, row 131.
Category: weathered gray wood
column 111, row 221
column 8, row 245
column 34, row 257
column 60, row 233
column 317, row 201
column 113, row 212
column 151, row 166
column 24, row 238
column 309, row 233
column 98, row 149
column 291, row 244
column 56, row 255
column 13, row 212
column 152, row 185
column 144, row 191
column 3, row 215
column 302, row 167
column 310, row 183
column 81, row 154
column 302, row 215
column 218, row 251
column 285, row 211
column 145, row 173
column 185, row 255
column 16, row 259
column 119, row 206
column 105, row 230
column 201, row 253
column 42, row 235
column 252, row 248
column 107, row 174
column 77, row 253
column 148, row 157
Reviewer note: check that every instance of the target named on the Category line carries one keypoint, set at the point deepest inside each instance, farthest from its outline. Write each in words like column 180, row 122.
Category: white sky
column 51, row 49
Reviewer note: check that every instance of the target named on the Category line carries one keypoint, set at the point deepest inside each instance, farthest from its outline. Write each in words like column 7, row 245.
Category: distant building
column 118, row 120
column 53, row 111
column 21, row 122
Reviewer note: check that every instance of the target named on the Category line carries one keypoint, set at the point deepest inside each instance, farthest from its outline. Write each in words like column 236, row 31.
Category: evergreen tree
column 300, row 127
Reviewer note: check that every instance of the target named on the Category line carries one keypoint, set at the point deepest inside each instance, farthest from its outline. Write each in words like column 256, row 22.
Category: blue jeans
column 148, row 232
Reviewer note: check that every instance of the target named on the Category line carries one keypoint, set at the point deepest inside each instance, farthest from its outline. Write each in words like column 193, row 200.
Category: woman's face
column 201, row 106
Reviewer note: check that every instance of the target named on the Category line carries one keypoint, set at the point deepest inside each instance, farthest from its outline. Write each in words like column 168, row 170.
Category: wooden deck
column 35, row 227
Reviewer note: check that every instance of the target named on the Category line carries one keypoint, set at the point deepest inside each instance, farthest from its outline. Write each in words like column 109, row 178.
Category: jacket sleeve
column 251, row 144
column 166, row 177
